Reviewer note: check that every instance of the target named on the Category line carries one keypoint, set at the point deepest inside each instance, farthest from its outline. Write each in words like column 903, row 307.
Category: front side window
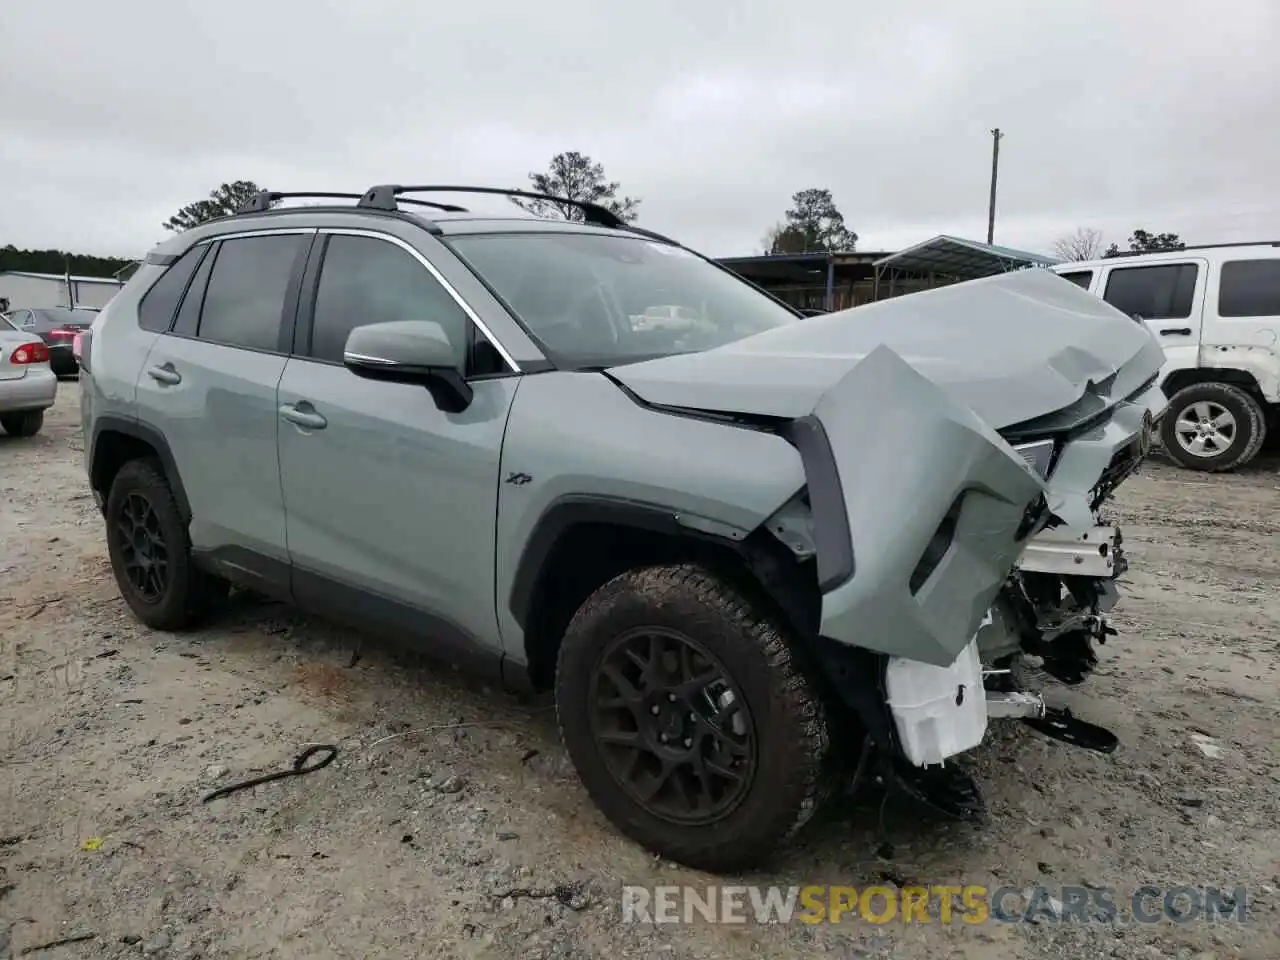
column 1249, row 288
column 1163, row 292
column 364, row 280
column 244, row 302
column 599, row 300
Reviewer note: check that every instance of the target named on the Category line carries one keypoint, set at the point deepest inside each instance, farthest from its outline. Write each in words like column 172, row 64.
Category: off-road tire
column 24, row 424
column 788, row 713
column 1251, row 426
column 190, row 593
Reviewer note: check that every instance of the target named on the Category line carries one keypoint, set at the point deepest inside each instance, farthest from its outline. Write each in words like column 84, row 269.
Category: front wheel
column 1213, row 427
column 689, row 719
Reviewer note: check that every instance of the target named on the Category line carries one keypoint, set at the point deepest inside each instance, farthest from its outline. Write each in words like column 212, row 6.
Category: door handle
column 164, row 374
column 1176, row 331
column 303, row 415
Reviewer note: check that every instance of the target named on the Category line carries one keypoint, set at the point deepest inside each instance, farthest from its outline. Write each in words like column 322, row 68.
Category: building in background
column 36, row 290
column 836, row 281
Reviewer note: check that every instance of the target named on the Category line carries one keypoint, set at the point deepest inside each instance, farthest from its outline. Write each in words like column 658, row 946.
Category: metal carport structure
column 946, row 259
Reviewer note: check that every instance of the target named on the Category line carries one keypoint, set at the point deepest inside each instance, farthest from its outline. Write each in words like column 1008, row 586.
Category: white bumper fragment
column 938, row 711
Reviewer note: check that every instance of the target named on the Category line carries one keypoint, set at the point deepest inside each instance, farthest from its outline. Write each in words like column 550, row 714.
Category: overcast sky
column 1163, row 114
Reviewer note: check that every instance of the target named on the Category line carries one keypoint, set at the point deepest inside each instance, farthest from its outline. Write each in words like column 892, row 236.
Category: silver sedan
column 28, row 386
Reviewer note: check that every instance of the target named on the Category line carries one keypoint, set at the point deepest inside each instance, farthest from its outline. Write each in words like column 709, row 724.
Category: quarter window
column 365, row 280
column 244, row 302
column 1081, row 278
column 1163, row 292
column 155, row 312
column 1249, row 288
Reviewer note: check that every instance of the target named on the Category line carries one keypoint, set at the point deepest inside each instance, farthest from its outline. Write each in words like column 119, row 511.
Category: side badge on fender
column 519, row 479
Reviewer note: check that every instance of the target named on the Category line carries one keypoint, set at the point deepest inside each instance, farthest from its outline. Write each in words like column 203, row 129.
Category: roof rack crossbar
column 384, row 196
column 262, row 201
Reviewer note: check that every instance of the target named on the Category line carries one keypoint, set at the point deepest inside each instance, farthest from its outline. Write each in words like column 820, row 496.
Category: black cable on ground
column 300, row 768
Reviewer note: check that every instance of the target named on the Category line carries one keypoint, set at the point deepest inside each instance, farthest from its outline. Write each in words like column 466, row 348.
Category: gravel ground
column 451, row 838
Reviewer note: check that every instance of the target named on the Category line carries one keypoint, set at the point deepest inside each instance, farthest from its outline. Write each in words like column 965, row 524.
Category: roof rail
column 384, row 197
column 263, row 199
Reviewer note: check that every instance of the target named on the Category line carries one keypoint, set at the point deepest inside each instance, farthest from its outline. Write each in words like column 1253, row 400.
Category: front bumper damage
column 989, row 564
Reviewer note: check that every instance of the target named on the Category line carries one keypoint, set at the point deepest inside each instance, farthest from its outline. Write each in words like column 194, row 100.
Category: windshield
column 593, row 300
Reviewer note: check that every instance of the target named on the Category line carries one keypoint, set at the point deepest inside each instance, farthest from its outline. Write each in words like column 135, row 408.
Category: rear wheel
column 151, row 554
column 689, row 719
column 1213, row 427
column 24, row 424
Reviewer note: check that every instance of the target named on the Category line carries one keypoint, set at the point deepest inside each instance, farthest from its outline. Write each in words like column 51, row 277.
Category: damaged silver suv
column 751, row 552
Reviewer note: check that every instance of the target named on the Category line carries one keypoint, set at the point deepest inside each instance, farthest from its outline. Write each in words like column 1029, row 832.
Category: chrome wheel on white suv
column 1213, row 427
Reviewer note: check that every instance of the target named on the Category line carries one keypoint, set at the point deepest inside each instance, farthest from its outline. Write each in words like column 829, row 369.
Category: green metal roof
column 966, row 259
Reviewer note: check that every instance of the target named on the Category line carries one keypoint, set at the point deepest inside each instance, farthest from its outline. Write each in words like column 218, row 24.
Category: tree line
column 59, row 262
column 812, row 224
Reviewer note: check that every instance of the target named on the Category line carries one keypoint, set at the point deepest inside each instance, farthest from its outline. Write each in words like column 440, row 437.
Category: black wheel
column 1213, row 427
column 24, row 424
column 150, row 552
column 689, row 719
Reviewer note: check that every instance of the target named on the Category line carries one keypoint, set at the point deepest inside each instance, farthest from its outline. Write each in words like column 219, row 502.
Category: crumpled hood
column 1012, row 348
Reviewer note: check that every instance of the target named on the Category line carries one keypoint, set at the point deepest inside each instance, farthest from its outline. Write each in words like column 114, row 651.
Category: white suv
column 1216, row 310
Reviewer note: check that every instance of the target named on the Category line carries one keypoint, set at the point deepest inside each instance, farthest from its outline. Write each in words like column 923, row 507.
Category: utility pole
column 995, row 167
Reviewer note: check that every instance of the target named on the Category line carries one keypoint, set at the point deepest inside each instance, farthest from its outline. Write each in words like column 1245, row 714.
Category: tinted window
column 364, row 280
column 155, row 312
column 592, row 299
column 244, row 302
column 1161, row 292
column 1249, row 288
column 1081, row 278
column 189, row 313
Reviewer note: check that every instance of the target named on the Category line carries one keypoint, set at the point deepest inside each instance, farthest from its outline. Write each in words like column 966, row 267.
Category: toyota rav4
column 755, row 557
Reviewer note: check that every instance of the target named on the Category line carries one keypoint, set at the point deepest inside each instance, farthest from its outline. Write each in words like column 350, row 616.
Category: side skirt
column 411, row 627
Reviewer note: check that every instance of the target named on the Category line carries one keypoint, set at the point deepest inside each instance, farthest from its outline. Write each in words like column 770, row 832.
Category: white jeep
column 1216, row 310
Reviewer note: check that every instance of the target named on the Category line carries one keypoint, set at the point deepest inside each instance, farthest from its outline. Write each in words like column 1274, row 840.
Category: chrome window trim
column 439, row 277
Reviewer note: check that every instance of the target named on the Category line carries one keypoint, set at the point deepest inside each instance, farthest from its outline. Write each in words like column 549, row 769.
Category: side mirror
column 409, row 351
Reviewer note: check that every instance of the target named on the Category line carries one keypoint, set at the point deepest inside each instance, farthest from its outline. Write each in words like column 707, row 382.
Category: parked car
column 28, row 386
column 1216, row 312
column 57, row 327
column 748, row 569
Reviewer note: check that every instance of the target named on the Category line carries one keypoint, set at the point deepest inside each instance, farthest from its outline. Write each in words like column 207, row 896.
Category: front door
column 390, row 503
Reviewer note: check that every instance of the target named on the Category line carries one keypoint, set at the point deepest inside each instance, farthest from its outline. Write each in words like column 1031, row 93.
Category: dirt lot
column 451, row 838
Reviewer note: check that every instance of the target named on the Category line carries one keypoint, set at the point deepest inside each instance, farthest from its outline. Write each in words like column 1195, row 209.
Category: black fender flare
column 153, row 438
column 569, row 511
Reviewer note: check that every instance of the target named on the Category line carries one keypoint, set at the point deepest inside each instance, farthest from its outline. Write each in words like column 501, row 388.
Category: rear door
column 1242, row 310
column 209, row 387
column 1168, row 296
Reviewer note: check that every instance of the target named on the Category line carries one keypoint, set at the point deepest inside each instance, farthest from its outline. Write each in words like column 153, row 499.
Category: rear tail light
column 61, row 334
column 30, row 353
column 77, row 346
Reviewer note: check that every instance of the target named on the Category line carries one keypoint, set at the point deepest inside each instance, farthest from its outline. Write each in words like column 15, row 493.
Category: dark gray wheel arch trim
column 570, row 511
column 154, row 439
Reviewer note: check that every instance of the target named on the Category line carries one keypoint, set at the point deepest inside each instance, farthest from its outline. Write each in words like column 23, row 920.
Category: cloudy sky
column 1163, row 114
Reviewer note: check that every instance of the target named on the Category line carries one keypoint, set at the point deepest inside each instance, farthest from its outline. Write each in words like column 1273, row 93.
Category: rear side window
column 244, row 302
column 1163, row 292
column 155, row 312
column 1081, row 278
column 189, row 313
column 1249, row 288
